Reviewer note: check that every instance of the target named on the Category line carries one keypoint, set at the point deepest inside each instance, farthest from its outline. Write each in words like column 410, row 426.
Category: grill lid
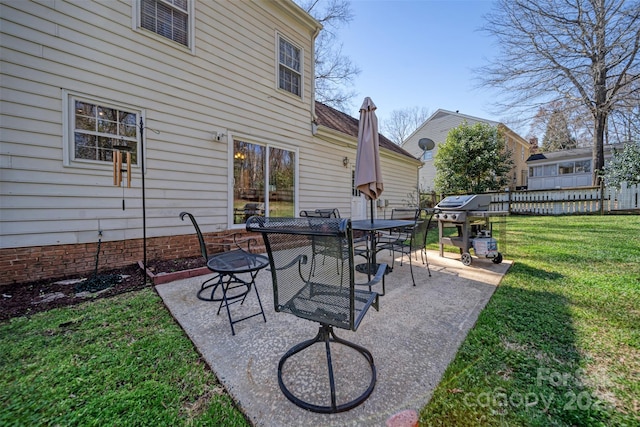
column 454, row 202
column 467, row 202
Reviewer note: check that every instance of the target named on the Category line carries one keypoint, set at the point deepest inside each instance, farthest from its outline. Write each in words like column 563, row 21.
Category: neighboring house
column 563, row 169
column 214, row 101
column 437, row 128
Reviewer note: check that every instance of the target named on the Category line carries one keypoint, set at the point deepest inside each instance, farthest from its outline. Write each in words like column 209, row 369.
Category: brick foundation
column 20, row 265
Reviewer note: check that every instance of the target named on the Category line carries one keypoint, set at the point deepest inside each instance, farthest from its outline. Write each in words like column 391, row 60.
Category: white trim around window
column 289, row 66
column 166, row 34
column 92, row 126
column 267, row 145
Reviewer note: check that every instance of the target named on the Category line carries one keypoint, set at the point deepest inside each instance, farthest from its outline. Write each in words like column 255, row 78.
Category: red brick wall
column 19, row 265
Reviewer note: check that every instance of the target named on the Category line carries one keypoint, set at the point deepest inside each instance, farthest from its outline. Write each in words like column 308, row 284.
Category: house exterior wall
column 194, row 101
column 563, row 169
column 322, row 189
column 558, row 181
column 437, row 128
column 226, row 82
column 399, row 173
column 520, row 152
column 400, row 185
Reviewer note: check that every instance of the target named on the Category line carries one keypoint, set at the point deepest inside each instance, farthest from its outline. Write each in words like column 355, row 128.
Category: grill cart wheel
column 466, row 258
column 497, row 259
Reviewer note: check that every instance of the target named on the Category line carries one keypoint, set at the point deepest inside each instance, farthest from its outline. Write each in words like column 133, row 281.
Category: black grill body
column 471, row 215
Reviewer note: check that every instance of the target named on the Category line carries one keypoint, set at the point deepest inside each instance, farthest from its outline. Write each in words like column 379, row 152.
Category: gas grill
column 471, row 215
column 456, row 208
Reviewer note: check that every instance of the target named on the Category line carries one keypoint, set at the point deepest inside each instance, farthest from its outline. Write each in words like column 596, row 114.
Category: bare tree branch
column 566, row 50
column 335, row 72
column 402, row 123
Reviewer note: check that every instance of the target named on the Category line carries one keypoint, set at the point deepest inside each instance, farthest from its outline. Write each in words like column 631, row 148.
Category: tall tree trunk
column 598, row 146
column 601, row 107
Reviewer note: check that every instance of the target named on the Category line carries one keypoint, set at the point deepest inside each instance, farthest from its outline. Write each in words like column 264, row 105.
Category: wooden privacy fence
column 583, row 200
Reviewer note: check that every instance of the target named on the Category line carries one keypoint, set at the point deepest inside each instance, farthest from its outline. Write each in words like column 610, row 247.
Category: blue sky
column 419, row 53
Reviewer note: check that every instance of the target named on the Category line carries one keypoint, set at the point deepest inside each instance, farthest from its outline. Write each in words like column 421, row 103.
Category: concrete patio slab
column 413, row 338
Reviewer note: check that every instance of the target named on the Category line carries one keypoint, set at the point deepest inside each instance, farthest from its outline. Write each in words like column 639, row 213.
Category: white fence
column 583, row 200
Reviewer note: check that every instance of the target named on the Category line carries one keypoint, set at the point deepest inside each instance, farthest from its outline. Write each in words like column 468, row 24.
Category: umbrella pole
column 371, row 207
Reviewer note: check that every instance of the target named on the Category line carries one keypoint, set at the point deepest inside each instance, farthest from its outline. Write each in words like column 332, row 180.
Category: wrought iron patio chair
column 321, row 213
column 410, row 214
column 322, row 246
column 237, row 243
column 360, row 241
column 333, row 300
column 226, row 286
column 410, row 240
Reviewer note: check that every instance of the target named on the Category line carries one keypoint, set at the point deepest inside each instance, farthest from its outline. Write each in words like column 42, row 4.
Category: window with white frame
column 289, row 67
column 583, row 166
column 96, row 129
column 167, row 18
column 535, row 171
column 566, row 168
column 264, row 181
column 543, row 170
column 354, row 190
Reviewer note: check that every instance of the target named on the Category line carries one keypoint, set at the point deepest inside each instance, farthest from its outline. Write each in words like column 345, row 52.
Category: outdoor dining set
column 324, row 269
column 311, row 259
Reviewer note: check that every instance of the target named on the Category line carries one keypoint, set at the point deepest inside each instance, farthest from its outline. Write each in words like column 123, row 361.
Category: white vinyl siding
column 88, row 48
column 323, row 177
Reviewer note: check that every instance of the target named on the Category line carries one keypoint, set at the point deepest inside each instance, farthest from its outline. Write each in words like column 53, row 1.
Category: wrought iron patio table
column 372, row 227
column 234, row 289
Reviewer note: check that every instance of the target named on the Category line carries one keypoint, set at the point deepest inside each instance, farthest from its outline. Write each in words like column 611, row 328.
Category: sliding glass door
column 255, row 195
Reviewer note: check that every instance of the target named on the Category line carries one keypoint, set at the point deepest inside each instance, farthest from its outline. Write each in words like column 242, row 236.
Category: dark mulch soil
column 23, row 299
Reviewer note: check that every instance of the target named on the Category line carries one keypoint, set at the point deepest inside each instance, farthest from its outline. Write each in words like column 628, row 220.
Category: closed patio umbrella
column 368, row 177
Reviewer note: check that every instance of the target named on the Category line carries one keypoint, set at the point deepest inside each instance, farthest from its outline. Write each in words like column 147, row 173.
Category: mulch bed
column 23, row 299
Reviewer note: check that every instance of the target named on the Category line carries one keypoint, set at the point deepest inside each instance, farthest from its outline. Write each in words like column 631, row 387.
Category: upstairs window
column 167, row 18
column 289, row 67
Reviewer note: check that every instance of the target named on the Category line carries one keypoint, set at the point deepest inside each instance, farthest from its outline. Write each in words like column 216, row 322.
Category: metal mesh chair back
column 410, row 240
column 313, row 291
column 419, row 234
column 405, row 213
column 321, row 213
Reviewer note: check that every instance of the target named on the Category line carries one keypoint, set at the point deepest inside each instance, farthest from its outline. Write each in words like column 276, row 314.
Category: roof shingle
column 342, row 122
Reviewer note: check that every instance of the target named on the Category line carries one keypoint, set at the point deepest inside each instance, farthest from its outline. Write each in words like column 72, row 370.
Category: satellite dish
column 426, row 144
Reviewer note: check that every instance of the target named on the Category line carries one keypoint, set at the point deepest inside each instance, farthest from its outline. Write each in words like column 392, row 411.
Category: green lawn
column 120, row 361
column 558, row 344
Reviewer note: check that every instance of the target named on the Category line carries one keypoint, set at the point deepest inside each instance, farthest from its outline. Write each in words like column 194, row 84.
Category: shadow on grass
column 520, row 364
